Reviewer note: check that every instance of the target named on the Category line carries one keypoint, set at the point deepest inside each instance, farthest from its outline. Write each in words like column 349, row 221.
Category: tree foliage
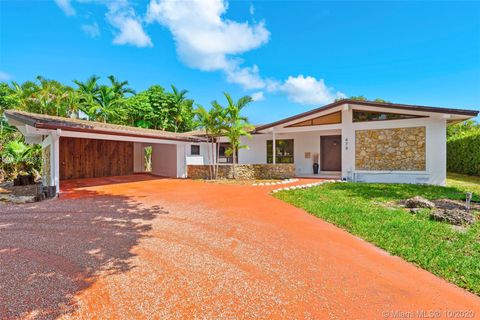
column 463, row 148
column 236, row 126
column 112, row 101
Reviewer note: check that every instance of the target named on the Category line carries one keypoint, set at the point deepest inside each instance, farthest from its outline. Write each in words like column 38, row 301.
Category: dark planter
column 50, row 191
column 315, row 168
column 24, row 180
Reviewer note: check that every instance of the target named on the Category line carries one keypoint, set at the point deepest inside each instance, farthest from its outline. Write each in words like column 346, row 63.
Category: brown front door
column 331, row 153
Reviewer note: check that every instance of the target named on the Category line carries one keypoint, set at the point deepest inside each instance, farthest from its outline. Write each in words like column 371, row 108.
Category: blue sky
column 291, row 55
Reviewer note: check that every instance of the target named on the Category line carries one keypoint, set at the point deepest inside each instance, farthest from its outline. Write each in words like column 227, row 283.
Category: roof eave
column 464, row 112
column 48, row 126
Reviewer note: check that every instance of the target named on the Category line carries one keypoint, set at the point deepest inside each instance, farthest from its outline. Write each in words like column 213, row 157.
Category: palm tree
column 236, row 126
column 72, row 102
column 180, row 103
column 120, row 88
column 108, row 103
column 207, row 122
column 88, row 91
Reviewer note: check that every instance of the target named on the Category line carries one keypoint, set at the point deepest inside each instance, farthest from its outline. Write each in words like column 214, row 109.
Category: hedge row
column 463, row 154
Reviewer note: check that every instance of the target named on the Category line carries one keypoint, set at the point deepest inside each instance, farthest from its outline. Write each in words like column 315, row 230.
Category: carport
column 76, row 149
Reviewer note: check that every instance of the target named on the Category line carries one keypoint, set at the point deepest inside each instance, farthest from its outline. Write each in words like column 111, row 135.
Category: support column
column 274, row 151
column 55, row 160
column 348, row 143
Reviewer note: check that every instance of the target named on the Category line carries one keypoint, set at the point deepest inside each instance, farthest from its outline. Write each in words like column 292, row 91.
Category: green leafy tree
column 463, row 128
column 156, row 108
column 8, row 98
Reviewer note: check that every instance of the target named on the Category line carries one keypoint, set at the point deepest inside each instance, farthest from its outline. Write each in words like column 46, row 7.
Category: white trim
column 86, row 135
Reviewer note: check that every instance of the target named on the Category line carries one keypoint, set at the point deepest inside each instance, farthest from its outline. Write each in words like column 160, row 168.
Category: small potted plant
column 316, row 166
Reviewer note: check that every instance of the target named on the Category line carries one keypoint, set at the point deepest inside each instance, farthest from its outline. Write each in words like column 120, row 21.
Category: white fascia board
column 310, row 128
column 438, row 115
column 311, row 116
column 86, row 135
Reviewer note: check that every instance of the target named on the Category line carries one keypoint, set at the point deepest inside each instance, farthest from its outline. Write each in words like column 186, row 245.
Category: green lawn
column 465, row 183
column 435, row 246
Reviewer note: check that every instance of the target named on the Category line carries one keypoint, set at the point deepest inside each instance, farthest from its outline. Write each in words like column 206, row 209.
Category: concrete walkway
column 148, row 248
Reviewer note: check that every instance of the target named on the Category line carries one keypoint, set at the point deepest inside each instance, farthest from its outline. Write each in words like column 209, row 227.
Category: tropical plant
column 109, row 106
column 87, row 91
column 236, row 126
column 120, row 88
column 212, row 121
column 20, row 157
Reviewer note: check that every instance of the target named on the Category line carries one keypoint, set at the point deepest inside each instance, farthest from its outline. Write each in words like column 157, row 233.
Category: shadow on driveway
column 52, row 250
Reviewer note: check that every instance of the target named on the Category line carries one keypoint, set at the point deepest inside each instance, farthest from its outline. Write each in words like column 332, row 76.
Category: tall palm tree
column 181, row 103
column 120, row 88
column 72, row 102
column 236, row 126
column 207, row 122
column 108, row 103
column 88, row 92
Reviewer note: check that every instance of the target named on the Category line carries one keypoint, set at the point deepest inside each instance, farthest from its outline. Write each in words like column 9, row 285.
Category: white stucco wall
column 139, row 157
column 164, row 160
column 303, row 142
column 309, row 141
column 436, row 150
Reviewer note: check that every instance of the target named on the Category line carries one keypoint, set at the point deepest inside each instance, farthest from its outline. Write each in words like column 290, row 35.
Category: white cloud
column 4, row 76
column 66, row 7
column 121, row 15
column 308, row 90
column 130, row 30
column 247, row 77
column 207, row 41
column 257, row 96
column 91, row 30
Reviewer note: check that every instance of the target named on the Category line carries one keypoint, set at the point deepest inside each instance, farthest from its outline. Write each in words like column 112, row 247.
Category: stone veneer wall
column 398, row 149
column 46, row 165
column 244, row 171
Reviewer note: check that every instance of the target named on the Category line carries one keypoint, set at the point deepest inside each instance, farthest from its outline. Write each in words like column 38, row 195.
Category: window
column 194, row 150
column 283, row 152
column 362, row 116
column 222, row 156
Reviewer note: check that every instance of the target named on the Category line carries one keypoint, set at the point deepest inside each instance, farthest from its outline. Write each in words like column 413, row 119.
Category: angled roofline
column 41, row 121
column 463, row 112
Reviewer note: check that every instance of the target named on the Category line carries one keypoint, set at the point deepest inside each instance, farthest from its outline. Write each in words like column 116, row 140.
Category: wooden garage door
column 90, row 158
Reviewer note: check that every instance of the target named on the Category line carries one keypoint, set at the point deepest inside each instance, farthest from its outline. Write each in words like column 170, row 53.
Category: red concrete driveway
column 145, row 248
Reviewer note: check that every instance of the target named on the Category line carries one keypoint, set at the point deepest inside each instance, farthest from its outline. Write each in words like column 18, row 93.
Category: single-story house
column 347, row 139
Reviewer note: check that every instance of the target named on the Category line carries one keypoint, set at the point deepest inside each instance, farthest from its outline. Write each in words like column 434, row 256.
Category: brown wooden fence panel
column 90, row 158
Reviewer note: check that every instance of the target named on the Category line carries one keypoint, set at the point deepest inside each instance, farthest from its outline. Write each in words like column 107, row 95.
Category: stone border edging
column 306, row 186
column 274, row 183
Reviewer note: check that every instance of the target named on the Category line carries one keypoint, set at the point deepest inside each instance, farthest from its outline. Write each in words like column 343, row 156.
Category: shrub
column 463, row 153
